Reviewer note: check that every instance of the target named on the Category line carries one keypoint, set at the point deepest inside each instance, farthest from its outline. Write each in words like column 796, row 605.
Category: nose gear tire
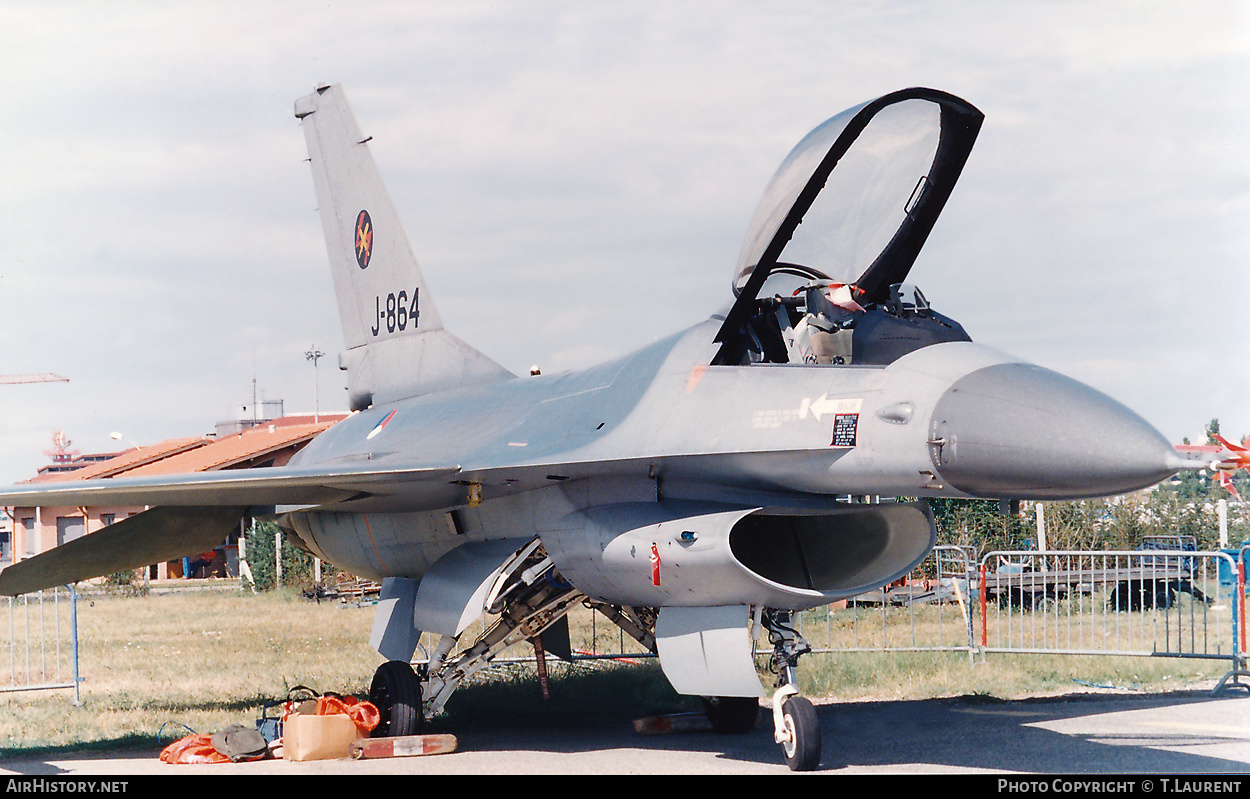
column 802, row 744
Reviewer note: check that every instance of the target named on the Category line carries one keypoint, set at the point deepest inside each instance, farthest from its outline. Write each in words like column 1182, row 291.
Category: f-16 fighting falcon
column 698, row 492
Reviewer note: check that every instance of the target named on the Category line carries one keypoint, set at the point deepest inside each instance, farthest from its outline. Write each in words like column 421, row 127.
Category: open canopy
column 855, row 200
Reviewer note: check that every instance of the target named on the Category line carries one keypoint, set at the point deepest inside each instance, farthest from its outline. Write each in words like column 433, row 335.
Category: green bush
column 127, row 583
column 297, row 565
column 1095, row 524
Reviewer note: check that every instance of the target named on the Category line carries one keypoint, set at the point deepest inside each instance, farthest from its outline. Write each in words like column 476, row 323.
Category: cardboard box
column 310, row 737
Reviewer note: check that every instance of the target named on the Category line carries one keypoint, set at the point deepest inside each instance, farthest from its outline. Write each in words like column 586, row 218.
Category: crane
column 46, row 377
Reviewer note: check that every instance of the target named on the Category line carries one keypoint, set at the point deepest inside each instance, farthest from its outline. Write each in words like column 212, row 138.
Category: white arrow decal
column 823, row 405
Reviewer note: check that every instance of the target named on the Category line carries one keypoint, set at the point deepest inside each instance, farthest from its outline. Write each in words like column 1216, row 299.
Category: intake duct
column 681, row 553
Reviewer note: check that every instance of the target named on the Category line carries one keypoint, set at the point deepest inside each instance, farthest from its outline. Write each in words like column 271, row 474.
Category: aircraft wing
column 387, row 487
column 235, row 487
column 1240, row 454
column 192, row 513
column 1225, row 456
column 153, row 536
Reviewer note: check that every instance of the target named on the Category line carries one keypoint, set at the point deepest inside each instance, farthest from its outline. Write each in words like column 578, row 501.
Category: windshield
column 784, row 188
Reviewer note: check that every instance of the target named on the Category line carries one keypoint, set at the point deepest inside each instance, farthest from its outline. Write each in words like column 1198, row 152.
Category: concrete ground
column 1184, row 733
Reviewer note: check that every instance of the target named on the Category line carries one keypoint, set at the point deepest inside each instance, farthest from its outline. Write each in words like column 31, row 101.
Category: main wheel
column 731, row 715
column 396, row 692
column 802, row 744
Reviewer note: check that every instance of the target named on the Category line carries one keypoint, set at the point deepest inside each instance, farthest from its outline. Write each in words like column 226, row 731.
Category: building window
column 68, row 528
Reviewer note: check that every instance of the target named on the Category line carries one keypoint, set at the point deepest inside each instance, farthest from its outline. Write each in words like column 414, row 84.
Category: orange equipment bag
column 193, row 749
column 365, row 715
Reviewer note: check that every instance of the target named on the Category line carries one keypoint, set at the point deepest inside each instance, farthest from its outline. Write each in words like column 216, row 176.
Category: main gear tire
column 731, row 715
column 396, row 692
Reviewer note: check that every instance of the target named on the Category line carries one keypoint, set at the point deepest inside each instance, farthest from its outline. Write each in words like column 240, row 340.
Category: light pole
column 315, row 355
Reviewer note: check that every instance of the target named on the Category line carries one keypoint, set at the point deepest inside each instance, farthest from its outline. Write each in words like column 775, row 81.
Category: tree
column 1213, row 430
column 297, row 565
column 979, row 523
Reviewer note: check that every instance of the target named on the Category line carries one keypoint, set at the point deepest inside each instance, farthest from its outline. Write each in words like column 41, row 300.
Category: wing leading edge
column 390, row 488
column 194, row 512
column 240, row 487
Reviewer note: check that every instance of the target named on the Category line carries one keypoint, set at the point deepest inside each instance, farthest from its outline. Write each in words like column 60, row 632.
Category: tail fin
column 396, row 344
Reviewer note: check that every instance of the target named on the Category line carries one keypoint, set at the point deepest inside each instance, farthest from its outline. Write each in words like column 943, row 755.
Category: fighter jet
column 698, row 492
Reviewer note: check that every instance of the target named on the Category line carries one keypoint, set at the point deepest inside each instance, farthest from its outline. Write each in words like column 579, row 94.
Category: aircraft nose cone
column 1019, row 431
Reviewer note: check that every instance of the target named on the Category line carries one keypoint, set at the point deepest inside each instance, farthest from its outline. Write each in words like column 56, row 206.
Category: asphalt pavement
column 1184, row 733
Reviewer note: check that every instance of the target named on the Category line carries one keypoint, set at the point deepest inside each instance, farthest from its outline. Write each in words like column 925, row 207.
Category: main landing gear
column 529, row 597
column 795, row 725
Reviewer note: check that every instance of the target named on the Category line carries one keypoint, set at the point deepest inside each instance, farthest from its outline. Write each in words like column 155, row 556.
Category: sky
column 576, row 179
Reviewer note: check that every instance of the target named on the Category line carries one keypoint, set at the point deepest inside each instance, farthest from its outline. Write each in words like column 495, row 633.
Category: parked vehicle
column 1162, row 577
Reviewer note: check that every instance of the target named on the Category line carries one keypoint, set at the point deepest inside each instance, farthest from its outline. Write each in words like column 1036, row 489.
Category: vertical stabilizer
column 396, row 344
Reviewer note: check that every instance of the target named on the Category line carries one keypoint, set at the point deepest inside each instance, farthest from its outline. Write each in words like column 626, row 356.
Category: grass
column 197, row 660
column 158, row 665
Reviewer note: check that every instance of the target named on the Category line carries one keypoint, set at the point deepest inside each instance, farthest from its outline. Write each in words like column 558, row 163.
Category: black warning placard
column 844, row 429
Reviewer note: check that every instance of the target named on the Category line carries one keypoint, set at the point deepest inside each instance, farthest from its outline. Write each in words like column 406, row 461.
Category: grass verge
column 155, row 666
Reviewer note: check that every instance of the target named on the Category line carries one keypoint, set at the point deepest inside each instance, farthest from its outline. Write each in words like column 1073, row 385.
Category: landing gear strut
column 795, row 724
column 528, row 597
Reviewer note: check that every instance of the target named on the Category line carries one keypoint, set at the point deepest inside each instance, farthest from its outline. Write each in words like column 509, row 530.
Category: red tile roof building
column 270, row 443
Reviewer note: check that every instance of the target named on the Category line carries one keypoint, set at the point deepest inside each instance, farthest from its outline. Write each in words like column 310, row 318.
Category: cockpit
column 820, row 323
column 821, row 276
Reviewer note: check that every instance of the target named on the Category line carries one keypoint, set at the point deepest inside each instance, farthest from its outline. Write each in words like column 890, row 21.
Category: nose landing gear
column 795, row 725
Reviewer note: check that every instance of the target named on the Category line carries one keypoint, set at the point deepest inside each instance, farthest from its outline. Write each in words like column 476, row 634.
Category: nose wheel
column 797, row 730
column 795, row 725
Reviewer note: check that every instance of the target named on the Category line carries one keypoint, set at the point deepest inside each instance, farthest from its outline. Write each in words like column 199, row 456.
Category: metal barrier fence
column 42, row 642
column 932, row 609
column 1154, row 603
